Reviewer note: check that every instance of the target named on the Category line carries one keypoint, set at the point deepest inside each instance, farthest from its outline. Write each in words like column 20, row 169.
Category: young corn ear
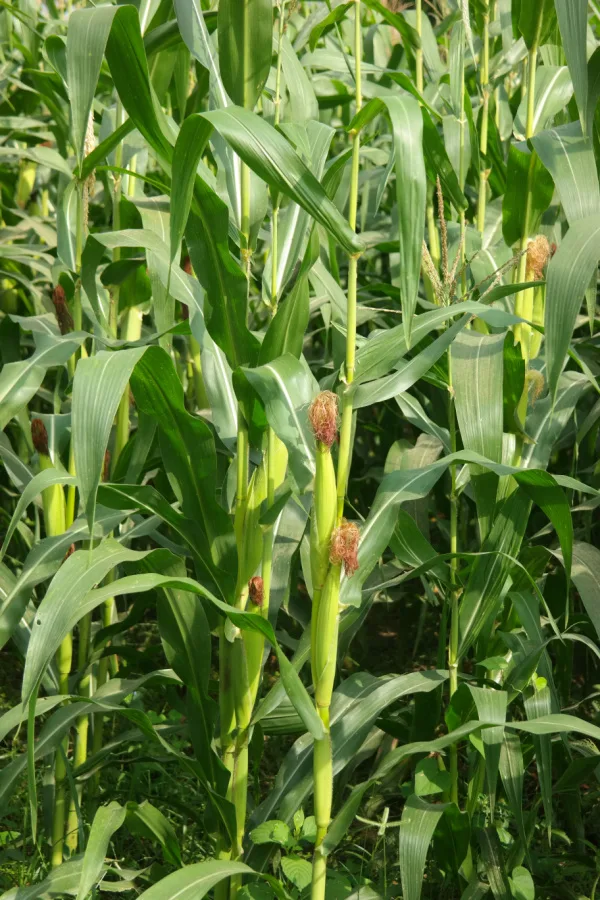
column 25, row 182
column 323, row 415
column 53, row 498
column 343, row 551
column 251, row 532
column 325, row 634
column 530, row 302
column 255, row 642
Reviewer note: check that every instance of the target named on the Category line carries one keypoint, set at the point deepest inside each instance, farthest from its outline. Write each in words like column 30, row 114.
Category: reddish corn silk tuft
column 344, row 547
column 106, row 466
column 256, row 590
column 39, row 436
column 69, row 552
column 186, row 265
column 538, row 254
column 323, row 416
column 63, row 316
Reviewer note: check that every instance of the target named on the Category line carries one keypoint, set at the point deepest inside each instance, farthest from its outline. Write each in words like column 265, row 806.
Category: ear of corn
column 323, row 518
column 26, row 182
column 325, row 637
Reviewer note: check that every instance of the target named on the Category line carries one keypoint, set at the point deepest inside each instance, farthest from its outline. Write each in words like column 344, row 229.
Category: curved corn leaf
column 98, row 386
column 268, row 153
column 195, row 881
column 572, row 21
column 577, row 185
column 569, row 274
column 419, row 821
column 107, row 820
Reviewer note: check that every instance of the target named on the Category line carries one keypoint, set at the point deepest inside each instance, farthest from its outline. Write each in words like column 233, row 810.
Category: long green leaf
column 195, row 881
column 355, row 707
column 419, row 821
column 268, row 153
column 145, row 819
column 189, row 147
column 87, row 35
column 512, row 774
column 286, row 388
column 63, row 880
column 411, row 190
column 518, row 190
column 572, row 21
column 569, row 274
column 553, row 90
column 59, row 612
column 44, row 479
column 409, row 372
column 98, row 386
column 577, row 184
column 385, row 350
column 411, row 199
column 242, row 619
column 585, row 573
column 107, row 820
column 189, row 457
column 245, row 45
column 401, row 486
column 477, row 378
column 20, row 381
column 128, row 65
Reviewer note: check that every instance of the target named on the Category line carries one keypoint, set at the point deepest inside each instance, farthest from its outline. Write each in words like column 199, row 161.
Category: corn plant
column 299, row 398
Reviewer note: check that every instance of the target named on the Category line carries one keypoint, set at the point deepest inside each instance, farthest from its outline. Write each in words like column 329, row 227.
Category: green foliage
column 213, row 211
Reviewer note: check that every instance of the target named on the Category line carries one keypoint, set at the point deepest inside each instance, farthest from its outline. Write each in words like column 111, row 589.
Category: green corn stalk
column 453, row 641
column 53, row 502
column 324, row 658
column 324, row 631
column 326, row 610
column 483, row 137
column 345, row 452
column 234, row 694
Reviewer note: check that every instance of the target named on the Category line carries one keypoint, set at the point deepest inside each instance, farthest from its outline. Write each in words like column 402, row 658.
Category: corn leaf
column 107, row 820
column 419, row 821
column 577, row 185
column 245, row 43
column 572, row 21
column 268, row 153
column 569, row 274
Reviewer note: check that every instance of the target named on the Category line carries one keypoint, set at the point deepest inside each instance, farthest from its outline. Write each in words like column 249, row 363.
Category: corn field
column 300, row 544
